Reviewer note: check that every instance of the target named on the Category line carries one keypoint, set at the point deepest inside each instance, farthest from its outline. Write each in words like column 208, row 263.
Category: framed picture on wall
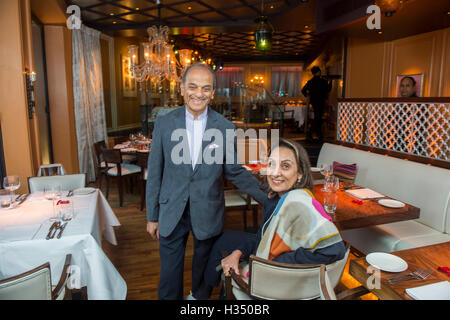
column 410, row 85
column 128, row 82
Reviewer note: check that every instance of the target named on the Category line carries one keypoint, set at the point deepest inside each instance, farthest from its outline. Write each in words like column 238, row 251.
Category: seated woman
column 294, row 229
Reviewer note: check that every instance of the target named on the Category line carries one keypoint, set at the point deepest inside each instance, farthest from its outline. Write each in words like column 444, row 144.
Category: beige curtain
column 88, row 96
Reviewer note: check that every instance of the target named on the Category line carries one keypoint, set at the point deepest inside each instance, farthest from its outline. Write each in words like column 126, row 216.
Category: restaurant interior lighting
column 159, row 63
column 389, row 7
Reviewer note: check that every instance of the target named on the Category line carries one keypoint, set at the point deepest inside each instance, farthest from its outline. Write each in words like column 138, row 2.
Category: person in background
column 317, row 89
column 287, row 212
column 408, row 87
column 188, row 195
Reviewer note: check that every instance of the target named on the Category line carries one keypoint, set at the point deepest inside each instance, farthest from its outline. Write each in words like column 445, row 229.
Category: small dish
column 315, row 169
column 391, row 203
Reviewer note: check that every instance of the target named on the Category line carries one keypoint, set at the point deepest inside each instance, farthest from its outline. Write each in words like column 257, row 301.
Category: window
column 286, row 81
column 229, row 80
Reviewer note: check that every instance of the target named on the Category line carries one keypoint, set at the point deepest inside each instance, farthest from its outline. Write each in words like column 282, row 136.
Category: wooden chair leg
column 143, row 194
column 255, row 218
column 107, row 186
column 245, row 219
column 119, row 182
column 100, row 177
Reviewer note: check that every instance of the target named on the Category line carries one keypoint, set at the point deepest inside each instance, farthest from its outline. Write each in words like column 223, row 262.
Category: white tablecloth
column 23, row 245
column 299, row 113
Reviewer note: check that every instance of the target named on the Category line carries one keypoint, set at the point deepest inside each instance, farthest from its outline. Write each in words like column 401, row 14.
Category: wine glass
column 326, row 170
column 53, row 192
column 11, row 183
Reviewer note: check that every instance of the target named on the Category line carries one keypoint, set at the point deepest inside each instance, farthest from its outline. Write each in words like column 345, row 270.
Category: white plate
column 83, row 191
column 315, row 169
column 386, row 262
column 391, row 203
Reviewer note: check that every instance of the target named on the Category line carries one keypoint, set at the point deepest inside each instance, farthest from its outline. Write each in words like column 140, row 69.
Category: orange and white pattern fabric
column 298, row 221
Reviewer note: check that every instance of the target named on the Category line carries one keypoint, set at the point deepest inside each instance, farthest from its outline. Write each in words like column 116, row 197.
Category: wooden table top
column 351, row 215
column 429, row 257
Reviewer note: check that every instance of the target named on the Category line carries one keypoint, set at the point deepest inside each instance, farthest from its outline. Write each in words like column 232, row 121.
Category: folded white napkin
column 434, row 291
column 365, row 193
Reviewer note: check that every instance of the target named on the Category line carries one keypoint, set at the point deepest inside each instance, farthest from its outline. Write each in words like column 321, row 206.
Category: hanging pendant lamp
column 263, row 34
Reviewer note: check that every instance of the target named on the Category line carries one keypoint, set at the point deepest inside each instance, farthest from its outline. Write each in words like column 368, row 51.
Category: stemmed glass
column 326, row 170
column 11, row 183
column 53, row 192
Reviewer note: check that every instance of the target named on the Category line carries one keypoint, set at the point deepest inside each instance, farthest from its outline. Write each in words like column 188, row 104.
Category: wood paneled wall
column 373, row 66
column 58, row 51
column 16, row 129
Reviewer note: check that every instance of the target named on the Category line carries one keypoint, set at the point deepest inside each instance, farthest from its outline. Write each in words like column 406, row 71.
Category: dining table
column 352, row 212
column 435, row 258
column 131, row 147
column 24, row 244
column 300, row 112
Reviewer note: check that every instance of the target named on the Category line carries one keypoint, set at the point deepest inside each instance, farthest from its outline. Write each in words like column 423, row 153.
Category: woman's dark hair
column 303, row 164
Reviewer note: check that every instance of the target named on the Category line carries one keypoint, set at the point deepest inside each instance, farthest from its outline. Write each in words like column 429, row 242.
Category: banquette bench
column 420, row 185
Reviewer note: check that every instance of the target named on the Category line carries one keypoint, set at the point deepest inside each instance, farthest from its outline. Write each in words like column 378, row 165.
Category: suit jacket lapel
column 180, row 123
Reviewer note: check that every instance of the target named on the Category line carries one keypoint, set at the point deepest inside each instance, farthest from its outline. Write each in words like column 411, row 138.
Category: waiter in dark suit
column 317, row 90
column 184, row 190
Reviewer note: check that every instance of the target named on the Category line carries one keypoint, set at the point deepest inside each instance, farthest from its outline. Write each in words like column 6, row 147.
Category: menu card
column 434, row 291
column 365, row 193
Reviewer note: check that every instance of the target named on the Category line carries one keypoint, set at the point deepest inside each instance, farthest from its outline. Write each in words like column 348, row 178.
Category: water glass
column 330, row 200
column 331, row 183
column 65, row 209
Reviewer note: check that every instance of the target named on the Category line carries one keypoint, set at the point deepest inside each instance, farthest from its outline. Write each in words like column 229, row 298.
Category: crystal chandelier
column 159, row 63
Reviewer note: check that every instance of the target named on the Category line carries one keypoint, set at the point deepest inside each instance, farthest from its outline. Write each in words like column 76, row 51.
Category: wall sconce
column 30, row 80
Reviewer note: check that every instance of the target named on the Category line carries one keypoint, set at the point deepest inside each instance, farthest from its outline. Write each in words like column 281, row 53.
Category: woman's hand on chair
column 231, row 262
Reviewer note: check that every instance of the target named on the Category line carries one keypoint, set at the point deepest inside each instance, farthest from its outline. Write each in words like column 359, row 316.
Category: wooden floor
column 136, row 256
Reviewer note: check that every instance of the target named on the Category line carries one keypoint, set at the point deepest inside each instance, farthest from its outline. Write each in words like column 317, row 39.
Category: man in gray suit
column 184, row 195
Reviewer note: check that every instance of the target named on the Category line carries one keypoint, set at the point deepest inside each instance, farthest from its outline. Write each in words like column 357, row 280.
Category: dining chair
column 327, row 290
column 119, row 171
column 237, row 200
column 67, row 182
column 101, row 166
column 126, row 158
column 50, row 170
column 142, row 161
column 271, row 280
column 36, row 284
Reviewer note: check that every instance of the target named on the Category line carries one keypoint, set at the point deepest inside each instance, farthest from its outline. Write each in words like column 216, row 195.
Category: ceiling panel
column 230, row 24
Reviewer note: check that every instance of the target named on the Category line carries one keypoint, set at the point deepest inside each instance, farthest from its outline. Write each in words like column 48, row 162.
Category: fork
column 420, row 274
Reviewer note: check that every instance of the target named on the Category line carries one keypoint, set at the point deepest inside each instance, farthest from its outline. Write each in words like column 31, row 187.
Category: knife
column 50, row 231
column 62, row 229
column 55, row 230
column 23, row 199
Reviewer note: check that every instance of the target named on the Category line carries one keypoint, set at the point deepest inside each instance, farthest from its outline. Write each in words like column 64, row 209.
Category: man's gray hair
column 199, row 65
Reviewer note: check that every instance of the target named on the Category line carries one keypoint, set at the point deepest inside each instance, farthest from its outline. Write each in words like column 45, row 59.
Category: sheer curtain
column 88, row 96
column 227, row 78
column 286, row 81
